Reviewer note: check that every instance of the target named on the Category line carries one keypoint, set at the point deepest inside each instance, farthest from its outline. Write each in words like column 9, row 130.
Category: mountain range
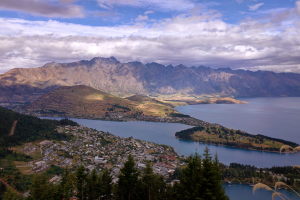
column 22, row 85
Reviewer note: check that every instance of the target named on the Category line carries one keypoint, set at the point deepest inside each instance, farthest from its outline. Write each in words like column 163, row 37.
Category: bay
column 274, row 117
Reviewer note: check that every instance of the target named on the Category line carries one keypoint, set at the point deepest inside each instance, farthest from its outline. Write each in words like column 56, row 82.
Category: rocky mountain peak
column 110, row 60
column 124, row 79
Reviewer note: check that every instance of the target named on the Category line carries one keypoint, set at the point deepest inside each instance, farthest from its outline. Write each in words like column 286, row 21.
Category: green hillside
column 17, row 128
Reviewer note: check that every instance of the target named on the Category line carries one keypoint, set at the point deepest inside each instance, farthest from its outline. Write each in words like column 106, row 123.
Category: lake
column 275, row 117
column 163, row 133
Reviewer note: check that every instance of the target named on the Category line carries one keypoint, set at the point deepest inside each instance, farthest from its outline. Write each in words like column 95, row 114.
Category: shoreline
column 186, row 121
column 234, row 147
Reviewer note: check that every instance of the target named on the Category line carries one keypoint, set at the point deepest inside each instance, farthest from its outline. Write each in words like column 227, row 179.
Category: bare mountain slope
column 124, row 79
column 86, row 102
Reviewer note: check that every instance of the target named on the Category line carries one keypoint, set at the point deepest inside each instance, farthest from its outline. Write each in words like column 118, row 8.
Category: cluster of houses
column 98, row 150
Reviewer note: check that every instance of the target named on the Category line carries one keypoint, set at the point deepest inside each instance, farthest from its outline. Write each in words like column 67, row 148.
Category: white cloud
column 277, row 68
column 44, row 8
column 166, row 5
column 141, row 18
column 190, row 40
column 148, row 12
column 256, row 6
column 298, row 7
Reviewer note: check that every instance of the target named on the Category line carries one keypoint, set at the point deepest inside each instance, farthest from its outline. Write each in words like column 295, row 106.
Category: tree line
column 199, row 179
column 238, row 173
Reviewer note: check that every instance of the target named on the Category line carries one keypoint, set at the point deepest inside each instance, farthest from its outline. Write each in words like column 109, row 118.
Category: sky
column 247, row 34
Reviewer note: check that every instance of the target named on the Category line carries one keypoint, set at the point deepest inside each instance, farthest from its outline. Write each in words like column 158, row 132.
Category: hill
column 125, row 79
column 151, row 106
column 81, row 101
column 16, row 128
column 86, row 102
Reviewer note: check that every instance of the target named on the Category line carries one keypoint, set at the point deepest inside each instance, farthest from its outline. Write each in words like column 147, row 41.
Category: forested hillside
column 17, row 128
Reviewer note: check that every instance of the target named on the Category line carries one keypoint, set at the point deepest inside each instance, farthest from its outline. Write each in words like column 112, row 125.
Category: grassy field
column 181, row 100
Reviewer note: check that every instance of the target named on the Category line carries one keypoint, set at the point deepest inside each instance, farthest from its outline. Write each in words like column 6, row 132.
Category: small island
column 220, row 135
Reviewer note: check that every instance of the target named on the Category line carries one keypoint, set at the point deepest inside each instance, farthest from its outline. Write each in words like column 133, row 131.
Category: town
column 99, row 150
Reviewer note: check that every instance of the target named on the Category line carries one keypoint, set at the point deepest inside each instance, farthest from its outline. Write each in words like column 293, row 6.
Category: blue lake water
column 275, row 117
column 163, row 133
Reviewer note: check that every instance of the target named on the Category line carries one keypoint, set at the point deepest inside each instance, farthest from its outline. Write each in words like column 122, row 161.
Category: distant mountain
column 86, row 102
column 124, row 79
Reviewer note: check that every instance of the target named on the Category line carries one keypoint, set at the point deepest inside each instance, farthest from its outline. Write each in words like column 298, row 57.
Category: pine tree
column 218, row 188
column 128, row 181
column 105, row 184
column 212, row 188
column 200, row 180
column 208, row 176
column 191, row 180
column 153, row 185
column 42, row 189
column 39, row 188
column 67, row 184
column 93, row 187
column 81, row 183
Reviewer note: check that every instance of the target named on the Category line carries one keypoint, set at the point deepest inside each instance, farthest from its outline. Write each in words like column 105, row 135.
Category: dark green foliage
column 105, row 184
column 27, row 129
column 128, row 181
column 212, row 188
column 81, row 182
column 153, row 186
column 179, row 115
column 239, row 173
column 191, row 180
column 12, row 176
column 54, row 170
column 93, row 187
column 65, row 122
column 67, row 184
column 200, row 180
column 116, row 106
column 11, row 195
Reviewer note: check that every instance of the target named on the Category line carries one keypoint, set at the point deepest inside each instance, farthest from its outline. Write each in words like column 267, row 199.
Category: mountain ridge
column 125, row 79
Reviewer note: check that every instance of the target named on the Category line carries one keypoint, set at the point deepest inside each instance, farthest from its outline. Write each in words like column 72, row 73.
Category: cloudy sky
column 250, row 34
